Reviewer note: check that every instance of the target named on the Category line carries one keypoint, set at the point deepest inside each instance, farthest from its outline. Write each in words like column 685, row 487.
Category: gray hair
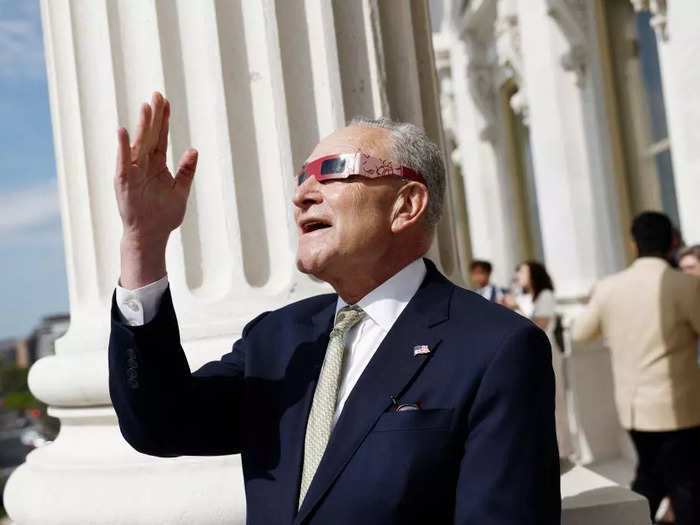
column 690, row 250
column 412, row 148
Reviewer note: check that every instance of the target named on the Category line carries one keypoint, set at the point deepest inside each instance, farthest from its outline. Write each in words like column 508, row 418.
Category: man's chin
column 310, row 267
column 303, row 268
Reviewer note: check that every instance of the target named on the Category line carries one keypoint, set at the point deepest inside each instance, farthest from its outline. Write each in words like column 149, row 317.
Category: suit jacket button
column 131, row 373
column 133, row 383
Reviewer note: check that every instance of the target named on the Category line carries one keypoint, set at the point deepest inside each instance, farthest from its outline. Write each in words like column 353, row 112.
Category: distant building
column 8, row 351
column 40, row 342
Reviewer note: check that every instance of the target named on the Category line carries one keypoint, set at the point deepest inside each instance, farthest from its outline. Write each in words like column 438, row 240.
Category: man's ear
column 410, row 206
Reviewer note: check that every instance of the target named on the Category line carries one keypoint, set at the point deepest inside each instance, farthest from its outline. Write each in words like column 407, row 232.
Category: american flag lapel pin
column 421, row 349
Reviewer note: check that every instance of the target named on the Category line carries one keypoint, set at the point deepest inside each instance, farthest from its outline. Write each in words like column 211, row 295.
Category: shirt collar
column 385, row 303
column 651, row 261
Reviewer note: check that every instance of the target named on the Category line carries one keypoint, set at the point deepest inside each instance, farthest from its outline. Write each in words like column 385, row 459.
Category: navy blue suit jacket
column 482, row 449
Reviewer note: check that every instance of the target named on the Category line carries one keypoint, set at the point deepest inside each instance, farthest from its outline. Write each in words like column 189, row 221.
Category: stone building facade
column 565, row 119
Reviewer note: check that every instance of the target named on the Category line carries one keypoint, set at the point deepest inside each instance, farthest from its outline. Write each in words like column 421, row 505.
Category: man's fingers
column 186, row 169
column 162, row 146
column 140, row 144
column 158, row 104
column 124, row 152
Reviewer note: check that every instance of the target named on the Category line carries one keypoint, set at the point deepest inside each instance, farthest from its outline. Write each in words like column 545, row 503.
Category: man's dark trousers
column 669, row 465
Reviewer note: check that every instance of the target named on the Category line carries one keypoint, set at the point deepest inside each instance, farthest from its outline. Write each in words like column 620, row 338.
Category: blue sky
column 32, row 261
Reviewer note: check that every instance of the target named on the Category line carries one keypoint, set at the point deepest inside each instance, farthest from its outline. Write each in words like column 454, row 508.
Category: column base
column 590, row 498
column 91, row 475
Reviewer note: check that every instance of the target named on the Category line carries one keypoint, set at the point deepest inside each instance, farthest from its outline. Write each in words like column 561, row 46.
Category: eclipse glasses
column 345, row 165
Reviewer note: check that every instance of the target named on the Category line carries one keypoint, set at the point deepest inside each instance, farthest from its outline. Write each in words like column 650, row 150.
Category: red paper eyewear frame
column 345, row 165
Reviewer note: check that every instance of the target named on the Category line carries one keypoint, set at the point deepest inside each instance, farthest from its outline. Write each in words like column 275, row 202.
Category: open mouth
column 313, row 226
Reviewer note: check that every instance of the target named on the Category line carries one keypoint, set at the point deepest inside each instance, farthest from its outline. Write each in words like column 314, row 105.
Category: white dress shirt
column 140, row 305
column 488, row 291
column 382, row 307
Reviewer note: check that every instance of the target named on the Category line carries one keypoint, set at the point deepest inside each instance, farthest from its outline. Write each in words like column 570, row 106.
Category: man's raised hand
column 151, row 201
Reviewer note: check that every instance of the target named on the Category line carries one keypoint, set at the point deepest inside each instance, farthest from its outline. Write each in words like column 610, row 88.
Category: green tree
column 13, row 379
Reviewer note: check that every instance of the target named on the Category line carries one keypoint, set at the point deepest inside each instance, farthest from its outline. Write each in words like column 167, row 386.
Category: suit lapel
column 388, row 373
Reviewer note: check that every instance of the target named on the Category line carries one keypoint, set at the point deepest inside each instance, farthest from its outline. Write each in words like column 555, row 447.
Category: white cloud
column 27, row 208
column 21, row 46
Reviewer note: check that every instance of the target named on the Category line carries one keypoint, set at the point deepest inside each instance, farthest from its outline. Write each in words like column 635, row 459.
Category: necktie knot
column 346, row 318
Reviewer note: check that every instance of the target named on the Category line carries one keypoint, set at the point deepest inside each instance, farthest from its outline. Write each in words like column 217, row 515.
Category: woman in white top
column 534, row 298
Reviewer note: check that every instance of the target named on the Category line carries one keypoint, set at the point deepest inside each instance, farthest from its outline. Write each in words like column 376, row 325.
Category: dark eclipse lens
column 304, row 175
column 330, row 166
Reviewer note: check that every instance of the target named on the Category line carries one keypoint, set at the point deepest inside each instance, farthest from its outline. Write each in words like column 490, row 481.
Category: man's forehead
column 375, row 142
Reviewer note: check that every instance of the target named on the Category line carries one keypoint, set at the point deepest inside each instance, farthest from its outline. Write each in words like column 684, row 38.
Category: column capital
column 659, row 20
column 509, row 47
column 640, row 5
column 481, row 81
column 572, row 18
column 510, row 61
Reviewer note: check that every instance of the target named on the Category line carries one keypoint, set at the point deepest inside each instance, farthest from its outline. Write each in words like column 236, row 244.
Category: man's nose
column 307, row 193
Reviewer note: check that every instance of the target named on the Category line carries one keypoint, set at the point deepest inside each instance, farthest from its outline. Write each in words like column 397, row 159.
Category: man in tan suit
column 649, row 317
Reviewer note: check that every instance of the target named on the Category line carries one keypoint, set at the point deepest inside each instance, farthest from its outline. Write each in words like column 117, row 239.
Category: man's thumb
column 186, row 168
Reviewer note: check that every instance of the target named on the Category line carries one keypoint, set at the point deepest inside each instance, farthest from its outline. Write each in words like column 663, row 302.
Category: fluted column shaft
column 480, row 134
column 582, row 208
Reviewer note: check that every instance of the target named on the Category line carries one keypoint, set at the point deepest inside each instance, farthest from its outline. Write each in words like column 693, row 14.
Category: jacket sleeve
column 163, row 408
column 509, row 472
column 587, row 326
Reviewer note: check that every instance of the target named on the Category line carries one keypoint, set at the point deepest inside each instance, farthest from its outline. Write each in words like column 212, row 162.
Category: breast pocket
column 428, row 419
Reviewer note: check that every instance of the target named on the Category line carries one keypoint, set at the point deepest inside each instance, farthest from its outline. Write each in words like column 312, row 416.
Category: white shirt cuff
column 139, row 306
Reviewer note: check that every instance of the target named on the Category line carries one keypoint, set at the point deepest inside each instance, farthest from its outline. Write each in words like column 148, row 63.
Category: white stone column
column 477, row 128
column 254, row 86
column 460, row 218
column 583, row 210
column 579, row 200
column 583, row 214
column 679, row 47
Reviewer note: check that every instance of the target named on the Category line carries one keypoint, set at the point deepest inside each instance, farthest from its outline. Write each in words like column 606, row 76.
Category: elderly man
column 400, row 399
